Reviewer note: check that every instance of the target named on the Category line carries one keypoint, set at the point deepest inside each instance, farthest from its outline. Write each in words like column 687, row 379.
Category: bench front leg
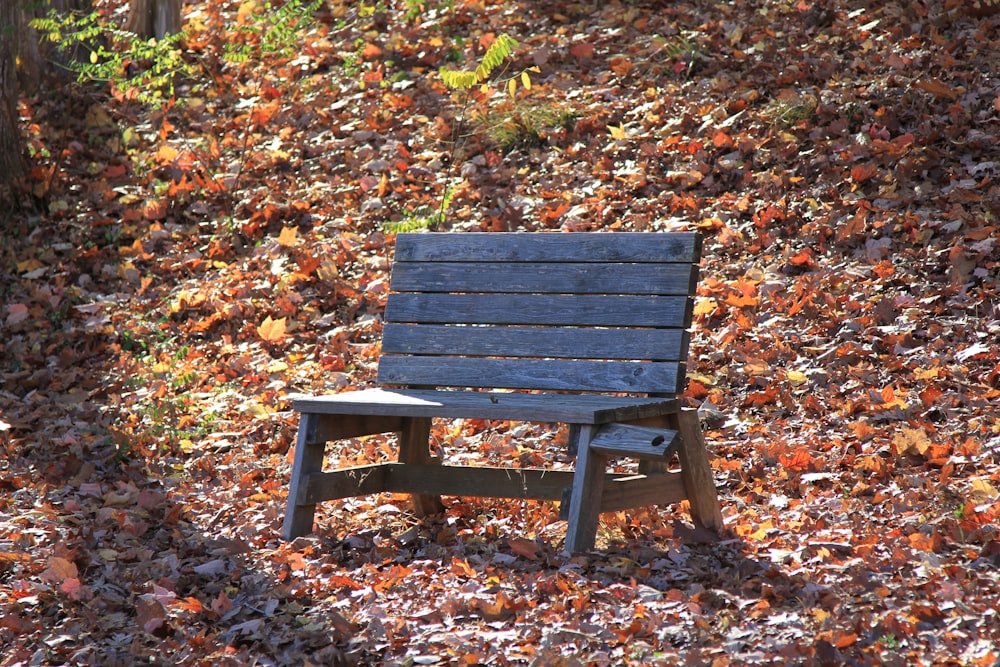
column 308, row 459
column 696, row 472
column 585, row 498
column 414, row 448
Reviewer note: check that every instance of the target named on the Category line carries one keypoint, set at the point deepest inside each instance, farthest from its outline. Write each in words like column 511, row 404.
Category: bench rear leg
column 696, row 473
column 414, row 448
column 308, row 459
column 585, row 500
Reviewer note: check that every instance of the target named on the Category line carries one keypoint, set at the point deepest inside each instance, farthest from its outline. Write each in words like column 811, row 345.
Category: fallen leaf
column 272, row 331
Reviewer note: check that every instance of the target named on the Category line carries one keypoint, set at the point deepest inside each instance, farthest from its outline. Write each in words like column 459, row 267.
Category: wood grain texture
column 562, row 408
column 544, row 278
column 543, row 374
column 635, row 441
column 540, row 309
column 545, row 342
column 550, row 247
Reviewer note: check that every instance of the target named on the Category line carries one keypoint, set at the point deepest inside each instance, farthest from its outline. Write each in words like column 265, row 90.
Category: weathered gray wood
column 299, row 512
column 544, row 342
column 340, row 427
column 624, row 493
column 536, row 312
column 635, row 441
column 414, row 448
column 551, row 247
column 620, row 492
column 528, row 483
column 318, row 487
column 585, row 498
column 546, row 278
column 543, row 374
column 696, row 471
column 563, row 408
column 540, row 309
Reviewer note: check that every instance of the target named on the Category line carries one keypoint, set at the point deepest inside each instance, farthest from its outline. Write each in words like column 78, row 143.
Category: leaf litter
column 175, row 284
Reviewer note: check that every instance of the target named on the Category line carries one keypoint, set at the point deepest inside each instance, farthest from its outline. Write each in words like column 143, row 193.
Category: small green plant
column 521, row 125
column 889, row 641
column 137, row 69
column 784, row 113
column 501, row 49
column 685, row 52
column 423, row 217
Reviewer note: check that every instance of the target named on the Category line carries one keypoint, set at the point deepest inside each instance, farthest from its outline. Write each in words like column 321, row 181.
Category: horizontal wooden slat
column 351, row 426
column 557, row 342
column 566, row 408
column 542, row 374
column 635, row 311
column 347, row 483
column 620, row 491
column 550, row 247
column 636, row 441
column 641, row 490
column 545, row 278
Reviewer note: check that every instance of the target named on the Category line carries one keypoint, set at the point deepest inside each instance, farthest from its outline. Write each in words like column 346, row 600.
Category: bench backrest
column 586, row 312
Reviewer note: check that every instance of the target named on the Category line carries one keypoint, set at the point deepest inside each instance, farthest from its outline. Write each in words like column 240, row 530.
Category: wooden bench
column 588, row 329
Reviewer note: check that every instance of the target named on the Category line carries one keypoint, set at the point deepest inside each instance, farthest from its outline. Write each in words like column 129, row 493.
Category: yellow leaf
column 983, row 491
column 705, row 306
column 617, row 132
column 512, row 87
column 258, row 411
column 288, row 237
column 272, row 330
column 912, row 440
column 797, row 378
column 29, row 265
column 525, row 80
column 166, row 154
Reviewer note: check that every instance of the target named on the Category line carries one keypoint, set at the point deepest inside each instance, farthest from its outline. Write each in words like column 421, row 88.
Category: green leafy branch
column 138, row 69
column 501, row 49
column 274, row 33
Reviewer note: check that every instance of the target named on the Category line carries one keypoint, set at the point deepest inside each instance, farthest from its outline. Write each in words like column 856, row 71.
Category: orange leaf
column 523, row 547
column 166, row 154
column 371, row 52
column 272, row 331
column 582, row 50
column 863, row 172
column 191, row 604
column 621, row 66
column 288, row 237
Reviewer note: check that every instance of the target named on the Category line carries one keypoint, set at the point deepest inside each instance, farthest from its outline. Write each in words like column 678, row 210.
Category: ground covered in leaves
column 172, row 276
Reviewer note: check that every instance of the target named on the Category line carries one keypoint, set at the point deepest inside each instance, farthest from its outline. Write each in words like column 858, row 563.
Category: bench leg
column 414, row 447
column 696, row 473
column 585, row 499
column 308, row 459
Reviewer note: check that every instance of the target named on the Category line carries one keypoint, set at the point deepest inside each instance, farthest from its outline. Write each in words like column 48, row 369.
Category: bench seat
column 514, row 406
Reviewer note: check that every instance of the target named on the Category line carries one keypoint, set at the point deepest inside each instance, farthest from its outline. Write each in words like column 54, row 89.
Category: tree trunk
column 154, row 18
column 12, row 162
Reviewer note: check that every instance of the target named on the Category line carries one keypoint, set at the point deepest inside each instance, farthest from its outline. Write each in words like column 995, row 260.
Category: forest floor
column 173, row 275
